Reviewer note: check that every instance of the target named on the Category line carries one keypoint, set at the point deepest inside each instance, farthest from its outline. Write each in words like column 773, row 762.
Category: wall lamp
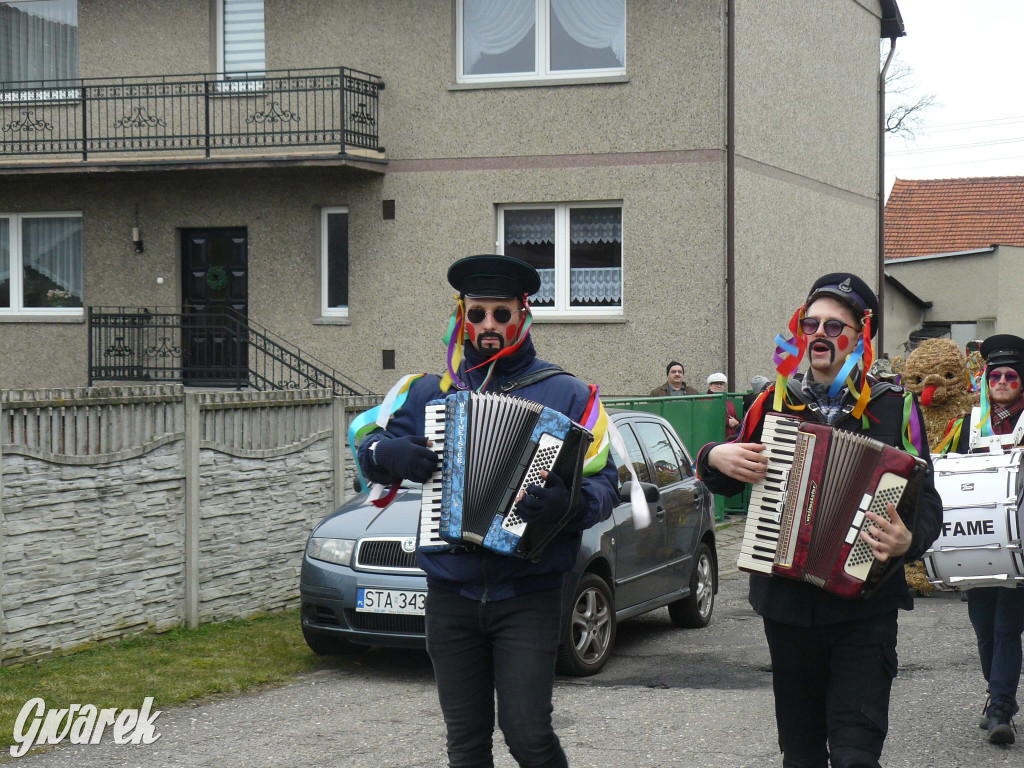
column 136, row 240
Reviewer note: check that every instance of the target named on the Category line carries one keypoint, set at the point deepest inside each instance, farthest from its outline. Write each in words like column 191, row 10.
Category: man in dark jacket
column 493, row 621
column 674, row 385
column 833, row 659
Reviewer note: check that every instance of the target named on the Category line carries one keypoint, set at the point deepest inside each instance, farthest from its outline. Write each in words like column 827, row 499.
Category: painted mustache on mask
column 831, row 349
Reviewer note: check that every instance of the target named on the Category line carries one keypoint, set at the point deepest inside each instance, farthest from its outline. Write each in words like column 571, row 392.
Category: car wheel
column 695, row 609
column 590, row 632
column 323, row 644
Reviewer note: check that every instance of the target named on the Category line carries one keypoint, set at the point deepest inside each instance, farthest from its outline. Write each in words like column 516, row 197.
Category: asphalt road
column 669, row 697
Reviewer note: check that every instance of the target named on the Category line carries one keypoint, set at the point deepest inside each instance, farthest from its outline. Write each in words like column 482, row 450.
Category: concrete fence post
column 338, row 449
column 192, row 441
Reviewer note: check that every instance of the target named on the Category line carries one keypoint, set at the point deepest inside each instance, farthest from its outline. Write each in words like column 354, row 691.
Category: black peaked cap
column 493, row 277
column 1003, row 349
column 847, row 287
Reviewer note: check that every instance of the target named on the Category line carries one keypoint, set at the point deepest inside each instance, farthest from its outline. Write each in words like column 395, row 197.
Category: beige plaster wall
column 983, row 288
column 787, row 235
column 901, row 317
column 672, row 231
column 947, row 282
column 144, row 37
column 806, row 89
column 672, row 100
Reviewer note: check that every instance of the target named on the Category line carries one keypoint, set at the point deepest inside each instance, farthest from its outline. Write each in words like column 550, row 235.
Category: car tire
column 695, row 609
column 589, row 634
column 323, row 644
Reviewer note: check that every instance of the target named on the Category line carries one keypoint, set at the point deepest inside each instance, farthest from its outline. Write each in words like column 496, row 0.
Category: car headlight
column 331, row 550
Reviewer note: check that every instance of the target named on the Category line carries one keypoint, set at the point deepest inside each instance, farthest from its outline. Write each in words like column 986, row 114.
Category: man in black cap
column 833, row 659
column 493, row 622
column 997, row 613
column 674, row 385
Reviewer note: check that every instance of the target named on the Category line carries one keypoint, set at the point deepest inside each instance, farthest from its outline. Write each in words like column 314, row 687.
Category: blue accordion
column 492, row 447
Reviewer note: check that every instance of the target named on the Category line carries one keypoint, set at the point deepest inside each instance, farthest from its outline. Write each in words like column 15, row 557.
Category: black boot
column 1001, row 729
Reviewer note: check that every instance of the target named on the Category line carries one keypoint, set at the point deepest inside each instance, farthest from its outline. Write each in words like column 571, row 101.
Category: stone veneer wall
column 129, row 509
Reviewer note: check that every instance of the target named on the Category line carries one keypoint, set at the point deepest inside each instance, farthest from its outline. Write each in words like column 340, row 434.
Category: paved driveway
column 668, row 697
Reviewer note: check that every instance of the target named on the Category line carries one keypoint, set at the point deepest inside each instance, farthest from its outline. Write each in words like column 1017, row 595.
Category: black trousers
column 502, row 650
column 832, row 685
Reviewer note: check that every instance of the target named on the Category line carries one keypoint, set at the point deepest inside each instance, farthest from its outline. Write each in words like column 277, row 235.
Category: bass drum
column 982, row 518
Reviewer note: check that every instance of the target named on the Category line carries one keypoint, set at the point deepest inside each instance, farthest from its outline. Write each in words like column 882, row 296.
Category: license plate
column 390, row 601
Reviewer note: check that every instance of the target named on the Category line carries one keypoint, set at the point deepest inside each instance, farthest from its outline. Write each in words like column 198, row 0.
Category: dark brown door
column 215, row 305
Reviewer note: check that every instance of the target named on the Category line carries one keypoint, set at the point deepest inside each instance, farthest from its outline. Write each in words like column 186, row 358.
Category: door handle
column 659, row 513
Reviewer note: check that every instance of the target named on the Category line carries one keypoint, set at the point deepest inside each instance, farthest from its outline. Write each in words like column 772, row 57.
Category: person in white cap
column 717, row 384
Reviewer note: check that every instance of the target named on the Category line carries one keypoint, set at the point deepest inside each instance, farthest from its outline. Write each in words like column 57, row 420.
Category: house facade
column 679, row 171
column 954, row 250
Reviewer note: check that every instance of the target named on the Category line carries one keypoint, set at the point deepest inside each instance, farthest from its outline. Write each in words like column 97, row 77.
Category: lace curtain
column 39, row 40
column 587, row 285
column 493, row 27
column 52, row 261
column 595, row 23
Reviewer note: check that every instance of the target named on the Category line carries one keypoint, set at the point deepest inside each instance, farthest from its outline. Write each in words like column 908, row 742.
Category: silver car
column 360, row 585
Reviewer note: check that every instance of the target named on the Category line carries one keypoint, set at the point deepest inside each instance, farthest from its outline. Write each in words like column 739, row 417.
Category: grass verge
column 173, row 667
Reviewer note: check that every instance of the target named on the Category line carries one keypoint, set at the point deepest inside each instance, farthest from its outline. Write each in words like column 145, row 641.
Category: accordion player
column 804, row 520
column 492, row 447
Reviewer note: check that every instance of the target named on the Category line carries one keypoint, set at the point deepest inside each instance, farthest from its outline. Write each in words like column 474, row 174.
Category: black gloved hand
column 406, row 457
column 544, row 503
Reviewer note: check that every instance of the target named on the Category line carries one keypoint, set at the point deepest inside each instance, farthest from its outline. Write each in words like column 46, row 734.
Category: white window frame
column 325, row 310
column 563, row 309
column 17, row 308
column 542, row 55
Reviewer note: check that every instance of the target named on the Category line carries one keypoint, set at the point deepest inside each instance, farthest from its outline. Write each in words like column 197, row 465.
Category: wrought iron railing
column 200, row 115
column 217, row 346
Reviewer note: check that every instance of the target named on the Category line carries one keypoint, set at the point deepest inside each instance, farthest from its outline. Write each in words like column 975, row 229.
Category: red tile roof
column 929, row 216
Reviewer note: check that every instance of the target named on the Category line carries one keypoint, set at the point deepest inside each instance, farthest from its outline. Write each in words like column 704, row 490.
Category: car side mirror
column 651, row 492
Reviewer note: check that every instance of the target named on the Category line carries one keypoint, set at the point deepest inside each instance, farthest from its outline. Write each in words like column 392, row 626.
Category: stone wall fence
column 134, row 509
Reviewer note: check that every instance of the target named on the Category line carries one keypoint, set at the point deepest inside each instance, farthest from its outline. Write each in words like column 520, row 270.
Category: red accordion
column 804, row 520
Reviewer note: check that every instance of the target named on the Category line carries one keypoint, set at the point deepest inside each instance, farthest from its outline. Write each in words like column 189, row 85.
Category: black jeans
column 832, row 685
column 507, row 648
column 997, row 615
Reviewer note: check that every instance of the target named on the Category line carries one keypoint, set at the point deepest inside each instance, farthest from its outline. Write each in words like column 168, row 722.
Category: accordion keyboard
column 543, row 458
column 764, row 512
column 430, row 500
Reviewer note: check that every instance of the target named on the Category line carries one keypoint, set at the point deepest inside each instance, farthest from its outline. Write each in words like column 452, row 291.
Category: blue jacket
column 481, row 574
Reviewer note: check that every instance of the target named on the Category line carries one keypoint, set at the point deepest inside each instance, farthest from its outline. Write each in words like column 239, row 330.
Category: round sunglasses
column 1008, row 376
column 833, row 327
column 477, row 314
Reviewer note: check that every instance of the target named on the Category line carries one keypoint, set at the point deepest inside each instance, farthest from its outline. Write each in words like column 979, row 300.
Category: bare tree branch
column 905, row 108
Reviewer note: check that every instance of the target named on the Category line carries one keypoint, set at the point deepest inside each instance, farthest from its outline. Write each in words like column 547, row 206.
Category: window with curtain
column 39, row 40
column 576, row 248
column 334, row 262
column 41, row 264
column 540, row 39
column 242, row 38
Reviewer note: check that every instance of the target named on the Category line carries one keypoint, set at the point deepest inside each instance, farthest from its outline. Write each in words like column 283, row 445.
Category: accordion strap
column 533, row 377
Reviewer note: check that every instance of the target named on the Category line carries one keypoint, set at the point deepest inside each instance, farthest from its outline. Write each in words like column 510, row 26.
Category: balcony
column 191, row 119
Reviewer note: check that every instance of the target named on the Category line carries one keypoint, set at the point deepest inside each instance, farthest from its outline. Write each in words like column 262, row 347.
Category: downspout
column 730, row 192
column 880, row 345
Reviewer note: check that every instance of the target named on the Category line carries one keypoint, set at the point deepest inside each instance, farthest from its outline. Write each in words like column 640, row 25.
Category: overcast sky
column 970, row 55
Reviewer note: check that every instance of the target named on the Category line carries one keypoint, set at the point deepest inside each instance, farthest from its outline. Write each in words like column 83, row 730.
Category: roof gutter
column 892, row 27
column 730, row 191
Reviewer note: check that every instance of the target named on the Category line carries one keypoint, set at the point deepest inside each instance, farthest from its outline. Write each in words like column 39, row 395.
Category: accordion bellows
column 492, row 447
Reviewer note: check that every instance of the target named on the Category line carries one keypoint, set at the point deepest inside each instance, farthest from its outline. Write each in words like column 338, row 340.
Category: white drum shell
column 980, row 542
